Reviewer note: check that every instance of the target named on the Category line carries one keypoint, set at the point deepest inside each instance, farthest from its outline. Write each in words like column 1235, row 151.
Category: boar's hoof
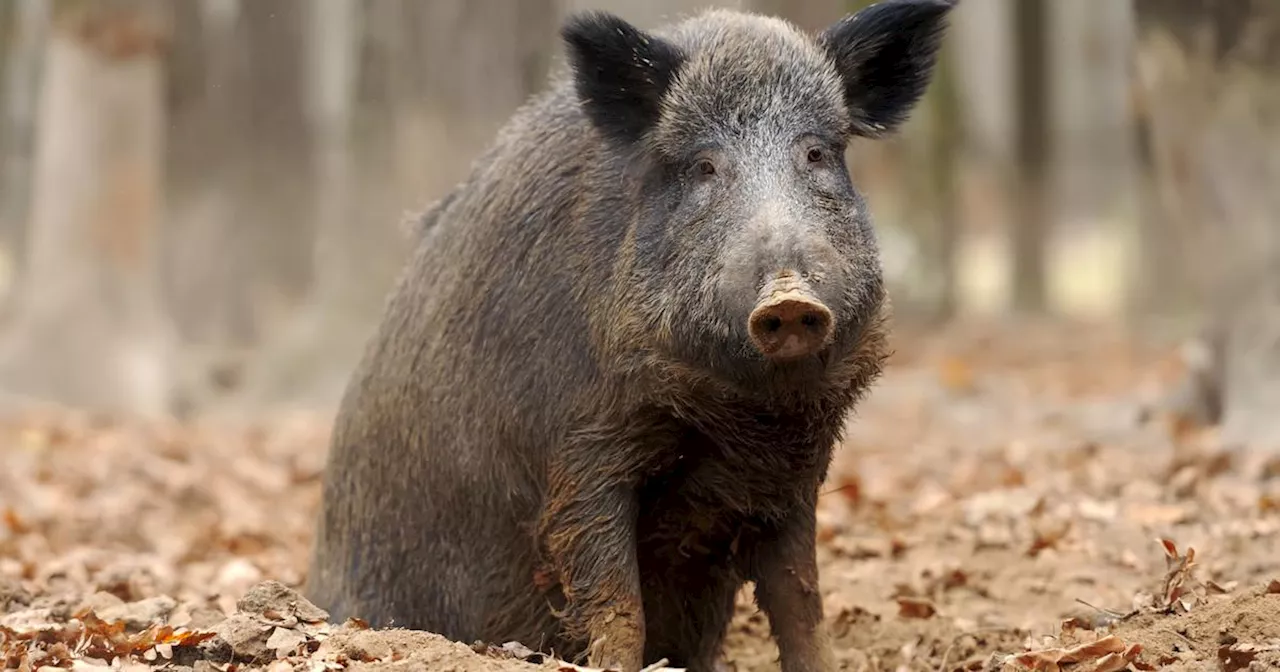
column 790, row 325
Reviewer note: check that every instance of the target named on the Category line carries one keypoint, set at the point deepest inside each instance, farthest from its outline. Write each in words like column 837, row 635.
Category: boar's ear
column 620, row 72
column 886, row 54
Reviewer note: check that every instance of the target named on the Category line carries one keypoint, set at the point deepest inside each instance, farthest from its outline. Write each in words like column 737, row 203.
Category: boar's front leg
column 786, row 575
column 588, row 530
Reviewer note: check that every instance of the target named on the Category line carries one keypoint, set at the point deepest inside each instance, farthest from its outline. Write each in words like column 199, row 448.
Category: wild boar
column 608, row 386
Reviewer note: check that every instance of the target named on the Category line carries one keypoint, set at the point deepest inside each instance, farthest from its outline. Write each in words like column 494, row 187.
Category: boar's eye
column 704, row 168
column 815, row 155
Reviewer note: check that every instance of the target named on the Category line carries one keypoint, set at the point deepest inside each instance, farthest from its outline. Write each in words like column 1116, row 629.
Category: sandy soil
column 1005, row 500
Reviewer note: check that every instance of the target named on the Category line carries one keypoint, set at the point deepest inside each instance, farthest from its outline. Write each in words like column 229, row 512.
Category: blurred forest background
column 204, row 202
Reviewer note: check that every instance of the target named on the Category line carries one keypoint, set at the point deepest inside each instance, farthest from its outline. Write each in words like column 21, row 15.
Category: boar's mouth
column 786, row 341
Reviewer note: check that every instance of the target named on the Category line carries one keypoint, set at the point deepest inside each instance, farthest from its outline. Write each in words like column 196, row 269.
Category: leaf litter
column 1005, row 500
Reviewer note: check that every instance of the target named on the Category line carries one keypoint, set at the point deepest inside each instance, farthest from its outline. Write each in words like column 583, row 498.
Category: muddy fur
column 561, row 433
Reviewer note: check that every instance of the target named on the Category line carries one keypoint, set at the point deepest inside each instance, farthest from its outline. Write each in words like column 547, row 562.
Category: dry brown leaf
column 1240, row 656
column 1096, row 651
column 1048, row 536
column 1114, row 662
column 1178, row 573
column 1076, row 623
column 1215, row 587
column 914, row 607
column 946, row 581
column 904, row 590
column 956, row 375
column 1098, row 511
column 861, row 548
column 13, row 521
column 1182, row 427
column 1130, row 559
column 849, row 486
column 86, row 636
column 1157, row 515
column 285, row 641
column 1268, row 504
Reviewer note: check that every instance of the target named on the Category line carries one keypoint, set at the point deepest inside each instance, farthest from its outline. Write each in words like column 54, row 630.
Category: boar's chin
column 795, row 378
column 735, row 364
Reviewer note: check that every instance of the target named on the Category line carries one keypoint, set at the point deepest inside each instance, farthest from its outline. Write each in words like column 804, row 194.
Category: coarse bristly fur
column 561, row 432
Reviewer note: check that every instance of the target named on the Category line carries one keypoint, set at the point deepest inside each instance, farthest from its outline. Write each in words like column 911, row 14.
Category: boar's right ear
column 885, row 54
column 620, row 72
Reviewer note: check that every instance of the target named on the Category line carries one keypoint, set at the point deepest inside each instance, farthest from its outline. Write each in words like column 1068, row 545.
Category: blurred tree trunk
column 942, row 240
column 1211, row 73
column 1032, row 223
column 23, row 57
column 1166, row 281
column 463, row 67
column 1158, row 261
column 211, row 250
column 259, row 207
column 539, row 25
column 89, row 328
column 331, row 58
column 455, row 71
column 315, row 350
column 277, row 156
column 209, row 255
column 924, row 175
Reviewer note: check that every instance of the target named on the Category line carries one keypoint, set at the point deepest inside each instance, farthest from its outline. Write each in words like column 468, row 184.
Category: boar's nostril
column 790, row 325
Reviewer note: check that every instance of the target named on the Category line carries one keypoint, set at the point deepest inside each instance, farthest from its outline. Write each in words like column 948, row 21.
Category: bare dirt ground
column 1005, row 499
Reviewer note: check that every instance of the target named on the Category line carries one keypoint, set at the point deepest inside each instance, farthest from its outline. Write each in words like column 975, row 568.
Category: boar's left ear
column 620, row 72
column 886, row 54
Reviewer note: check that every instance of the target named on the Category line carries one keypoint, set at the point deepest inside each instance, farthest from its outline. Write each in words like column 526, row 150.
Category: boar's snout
column 788, row 321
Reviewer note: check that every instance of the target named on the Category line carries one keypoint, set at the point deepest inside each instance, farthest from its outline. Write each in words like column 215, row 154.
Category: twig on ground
column 1118, row 616
column 661, row 664
column 1188, row 639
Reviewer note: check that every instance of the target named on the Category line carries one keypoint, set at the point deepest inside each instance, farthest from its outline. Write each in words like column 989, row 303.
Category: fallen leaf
column 1215, row 587
column 862, row 548
column 1114, row 662
column 1076, row 623
column 1178, row 574
column 285, row 641
column 1047, row 537
column 1098, row 650
column 14, row 522
column 914, row 607
column 1236, row 657
column 1268, row 504
column 518, row 650
column 956, row 375
column 1101, row 512
column 850, row 488
column 1157, row 515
